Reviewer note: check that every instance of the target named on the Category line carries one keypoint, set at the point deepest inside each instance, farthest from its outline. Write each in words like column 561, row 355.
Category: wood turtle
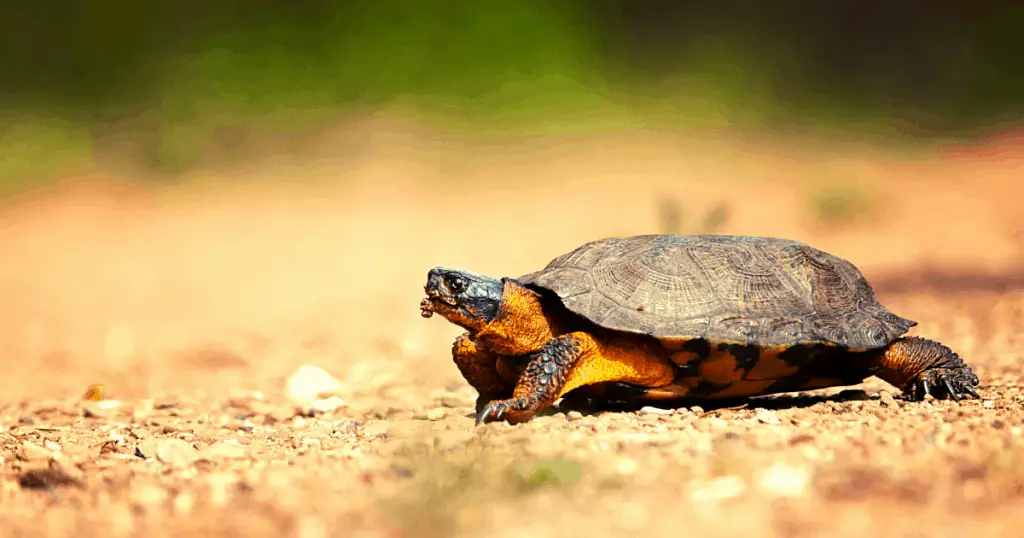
column 676, row 317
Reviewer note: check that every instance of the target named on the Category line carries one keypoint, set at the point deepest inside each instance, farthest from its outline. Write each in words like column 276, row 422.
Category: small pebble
column 175, row 452
column 783, row 480
column 309, row 383
column 887, row 400
column 33, row 452
column 437, row 413
column 767, row 417
column 326, row 405
column 651, row 410
column 224, row 450
column 573, row 416
column 101, row 409
column 718, row 489
column 376, row 428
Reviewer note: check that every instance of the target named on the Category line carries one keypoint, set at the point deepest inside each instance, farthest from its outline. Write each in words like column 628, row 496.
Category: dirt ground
column 266, row 372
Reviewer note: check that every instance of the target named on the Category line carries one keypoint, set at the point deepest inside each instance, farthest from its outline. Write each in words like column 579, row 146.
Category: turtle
column 682, row 318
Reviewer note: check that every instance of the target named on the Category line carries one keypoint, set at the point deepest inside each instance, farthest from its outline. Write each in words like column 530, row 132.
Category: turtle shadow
column 775, row 402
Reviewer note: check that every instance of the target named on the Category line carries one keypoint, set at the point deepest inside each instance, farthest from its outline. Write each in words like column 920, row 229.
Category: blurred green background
column 80, row 78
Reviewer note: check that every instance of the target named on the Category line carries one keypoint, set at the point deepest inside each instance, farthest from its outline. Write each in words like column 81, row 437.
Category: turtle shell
column 737, row 289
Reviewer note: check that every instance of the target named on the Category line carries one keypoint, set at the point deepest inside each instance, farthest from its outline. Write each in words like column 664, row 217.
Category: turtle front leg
column 480, row 369
column 919, row 366
column 541, row 382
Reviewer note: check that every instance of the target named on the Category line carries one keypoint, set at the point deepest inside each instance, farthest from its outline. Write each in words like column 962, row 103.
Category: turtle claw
column 497, row 410
column 941, row 383
column 949, row 389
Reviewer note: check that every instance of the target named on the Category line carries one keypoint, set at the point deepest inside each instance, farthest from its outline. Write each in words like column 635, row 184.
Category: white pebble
column 718, row 489
column 785, row 480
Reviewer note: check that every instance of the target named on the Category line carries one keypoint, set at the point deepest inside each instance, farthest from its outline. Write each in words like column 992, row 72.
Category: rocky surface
column 261, row 369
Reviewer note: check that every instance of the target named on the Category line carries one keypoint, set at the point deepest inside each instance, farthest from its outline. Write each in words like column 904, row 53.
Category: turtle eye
column 456, row 284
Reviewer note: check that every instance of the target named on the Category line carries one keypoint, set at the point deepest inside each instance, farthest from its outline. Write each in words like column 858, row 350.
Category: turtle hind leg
column 919, row 367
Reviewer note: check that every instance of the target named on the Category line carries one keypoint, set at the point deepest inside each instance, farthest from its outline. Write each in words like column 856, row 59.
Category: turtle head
column 466, row 299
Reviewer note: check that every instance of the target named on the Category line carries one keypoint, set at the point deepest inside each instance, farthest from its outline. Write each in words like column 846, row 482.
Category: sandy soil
column 196, row 306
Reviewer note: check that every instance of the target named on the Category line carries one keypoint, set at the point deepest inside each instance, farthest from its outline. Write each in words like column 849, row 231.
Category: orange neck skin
column 522, row 325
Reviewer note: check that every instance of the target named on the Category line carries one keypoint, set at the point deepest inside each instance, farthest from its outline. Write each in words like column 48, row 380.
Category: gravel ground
column 268, row 413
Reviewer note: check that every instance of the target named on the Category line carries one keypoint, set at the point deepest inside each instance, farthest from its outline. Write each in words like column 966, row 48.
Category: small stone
column 281, row 414
column 326, row 405
column 375, row 428
column 309, row 383
column 718, row 489
column 145, row 449
column 33, row 452
column 887, row 400
column 651, row 410
column 767, row 417
column 175, row 452
column 573, row 416
column 245, row 400
column 697, row 410
column 785, row 480
column 224, row 450
column 437, row 413
column 101, row 409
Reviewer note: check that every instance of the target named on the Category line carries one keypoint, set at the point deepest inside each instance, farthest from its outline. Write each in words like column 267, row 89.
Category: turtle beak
column 435, row 297
column 427, row 304
column 426, row 307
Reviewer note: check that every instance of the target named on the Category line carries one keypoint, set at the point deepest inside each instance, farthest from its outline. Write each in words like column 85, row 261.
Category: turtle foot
column 512, row 410
column 943, row 383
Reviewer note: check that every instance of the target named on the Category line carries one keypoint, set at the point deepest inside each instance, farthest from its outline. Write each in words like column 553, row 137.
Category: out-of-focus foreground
column 253, row 319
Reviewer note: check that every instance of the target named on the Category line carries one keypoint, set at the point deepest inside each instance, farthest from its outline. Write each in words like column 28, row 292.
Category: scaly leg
column 919, row 366
column 568, row 362
column 479, row 369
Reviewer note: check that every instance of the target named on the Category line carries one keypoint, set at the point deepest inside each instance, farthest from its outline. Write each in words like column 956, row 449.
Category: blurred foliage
column 671, row 214
column 839, row 204
column 175, row 72
column 545, row 472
